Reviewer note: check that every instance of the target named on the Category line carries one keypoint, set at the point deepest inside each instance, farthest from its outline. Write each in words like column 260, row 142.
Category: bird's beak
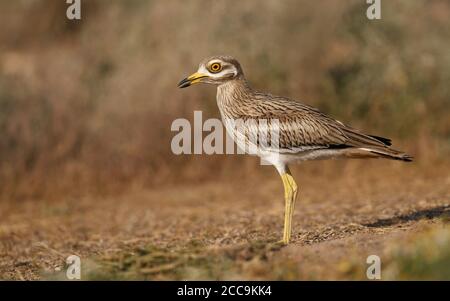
column 193, row 79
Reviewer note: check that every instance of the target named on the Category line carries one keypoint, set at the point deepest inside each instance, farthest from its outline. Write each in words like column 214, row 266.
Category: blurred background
column 86, row 106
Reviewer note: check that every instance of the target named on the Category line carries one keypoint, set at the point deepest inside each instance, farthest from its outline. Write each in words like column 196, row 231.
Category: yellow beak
column 192, row 79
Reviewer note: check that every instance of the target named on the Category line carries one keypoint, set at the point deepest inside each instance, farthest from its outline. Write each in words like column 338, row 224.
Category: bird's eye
column 216, row 67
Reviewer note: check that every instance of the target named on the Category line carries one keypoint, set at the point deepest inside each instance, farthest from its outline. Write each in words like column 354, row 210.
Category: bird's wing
column 302, row 127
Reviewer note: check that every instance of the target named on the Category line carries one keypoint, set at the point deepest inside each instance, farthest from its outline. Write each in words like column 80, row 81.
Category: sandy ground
column 227, row 229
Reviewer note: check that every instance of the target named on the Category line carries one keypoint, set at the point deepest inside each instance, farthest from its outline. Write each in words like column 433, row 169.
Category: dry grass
column 211, row 232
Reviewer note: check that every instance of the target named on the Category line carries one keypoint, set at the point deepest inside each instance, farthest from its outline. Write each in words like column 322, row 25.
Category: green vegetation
column 427, row 257
column 423, row 256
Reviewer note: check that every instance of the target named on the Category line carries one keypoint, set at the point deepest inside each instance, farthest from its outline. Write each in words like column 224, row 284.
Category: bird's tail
column 388, row 153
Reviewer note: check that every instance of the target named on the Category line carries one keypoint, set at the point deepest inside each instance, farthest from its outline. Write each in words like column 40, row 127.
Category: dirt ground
column 228, row 229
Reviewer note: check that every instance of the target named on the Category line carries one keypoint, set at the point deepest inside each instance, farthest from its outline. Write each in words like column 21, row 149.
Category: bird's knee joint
column 291, row 187
column 295, row 188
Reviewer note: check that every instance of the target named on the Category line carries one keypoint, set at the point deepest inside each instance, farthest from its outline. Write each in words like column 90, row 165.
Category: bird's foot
column 280, row 243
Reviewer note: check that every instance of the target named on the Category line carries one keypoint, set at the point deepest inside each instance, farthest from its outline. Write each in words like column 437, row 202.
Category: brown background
column 85, row 161
column 87, row 105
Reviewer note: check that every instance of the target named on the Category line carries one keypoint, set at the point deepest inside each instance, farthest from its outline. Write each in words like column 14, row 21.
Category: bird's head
column 215, row 70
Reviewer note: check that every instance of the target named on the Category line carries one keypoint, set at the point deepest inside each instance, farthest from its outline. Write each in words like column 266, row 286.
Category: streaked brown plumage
column 304, row 132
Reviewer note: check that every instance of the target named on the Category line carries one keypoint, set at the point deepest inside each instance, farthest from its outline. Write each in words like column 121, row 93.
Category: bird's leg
column 290, row 195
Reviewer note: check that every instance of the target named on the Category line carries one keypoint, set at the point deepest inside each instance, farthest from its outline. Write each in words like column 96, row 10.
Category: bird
column 302, row 131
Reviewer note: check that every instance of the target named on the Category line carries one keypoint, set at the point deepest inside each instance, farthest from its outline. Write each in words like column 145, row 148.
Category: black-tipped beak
column 184, row 83
column 193, row 79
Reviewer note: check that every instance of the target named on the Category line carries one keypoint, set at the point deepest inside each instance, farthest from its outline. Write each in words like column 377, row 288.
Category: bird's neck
column 233, row 92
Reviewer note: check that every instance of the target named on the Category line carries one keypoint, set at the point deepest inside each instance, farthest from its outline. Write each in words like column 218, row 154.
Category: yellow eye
column 216, row 67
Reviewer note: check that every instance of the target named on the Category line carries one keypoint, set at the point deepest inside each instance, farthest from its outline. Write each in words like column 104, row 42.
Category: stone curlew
column 302, row 132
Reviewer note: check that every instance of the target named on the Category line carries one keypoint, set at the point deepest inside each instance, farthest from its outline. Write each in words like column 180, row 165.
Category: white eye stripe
column 215, row 62
column 224, row 72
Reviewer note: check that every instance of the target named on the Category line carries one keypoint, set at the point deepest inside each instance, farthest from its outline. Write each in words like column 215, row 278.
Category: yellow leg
column 290, row 195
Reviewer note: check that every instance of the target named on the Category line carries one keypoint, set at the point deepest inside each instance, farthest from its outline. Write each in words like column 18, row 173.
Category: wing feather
column 305, row 127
